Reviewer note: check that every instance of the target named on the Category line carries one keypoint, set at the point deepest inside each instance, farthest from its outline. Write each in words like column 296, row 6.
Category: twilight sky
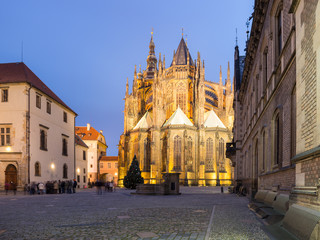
column 85, row 50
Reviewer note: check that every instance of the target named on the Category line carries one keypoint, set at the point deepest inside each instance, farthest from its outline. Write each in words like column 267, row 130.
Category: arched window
column 147, row 155
column 189, row 155
column 164, row 154
column 177, row 153
column 221, row 155
column 181, row 97
column 65, row 171
column 37, row 169
column 209, row 155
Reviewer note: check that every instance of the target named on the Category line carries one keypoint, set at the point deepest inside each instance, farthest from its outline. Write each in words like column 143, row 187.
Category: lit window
column 177, row 153
column 5, row 138
column 209, row 155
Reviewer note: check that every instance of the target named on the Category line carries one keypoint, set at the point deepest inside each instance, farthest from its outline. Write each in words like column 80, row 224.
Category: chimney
column 101, row 132
column 88, row 126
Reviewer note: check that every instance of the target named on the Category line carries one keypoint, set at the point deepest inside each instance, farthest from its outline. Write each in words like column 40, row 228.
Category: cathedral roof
column 145, row 122
column 178, row 118
column 212, row 120
column 181, row 56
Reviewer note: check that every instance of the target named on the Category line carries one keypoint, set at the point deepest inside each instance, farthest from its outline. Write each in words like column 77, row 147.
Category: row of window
column 109, row 165
column 48, row 107
column 37, row 170
column 44, row 146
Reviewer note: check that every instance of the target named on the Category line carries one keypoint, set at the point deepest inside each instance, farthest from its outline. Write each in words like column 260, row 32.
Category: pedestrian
column 59, row 183
column 63, row 185
column 55, row 187
column 74, row 186
column 98, row 186
column 111, row 186
column 41, row 188
column 106, row 186
column 14, row 187
column 25, row 189
column 70, row 187
column 6, row 187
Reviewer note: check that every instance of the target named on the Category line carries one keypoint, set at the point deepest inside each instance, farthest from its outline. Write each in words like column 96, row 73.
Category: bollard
column 221, row 189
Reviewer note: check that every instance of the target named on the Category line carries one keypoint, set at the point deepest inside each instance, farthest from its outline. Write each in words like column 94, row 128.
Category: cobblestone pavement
column 198, row 213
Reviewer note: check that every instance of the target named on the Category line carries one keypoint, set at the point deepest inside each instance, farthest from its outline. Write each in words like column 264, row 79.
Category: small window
column 4, row 95
column 38, row 101
column 5, row 138
column 84, row 179
column 84, row 170
column 84, row 155
column 65, row 171
column 43, row 139
column 101, row 165
column 37, row 171
column 64, row 147
column 91, row 166
column 48, row 107
column 65, row 117
column 116, row 165
column 78, row 178
column 109, row 165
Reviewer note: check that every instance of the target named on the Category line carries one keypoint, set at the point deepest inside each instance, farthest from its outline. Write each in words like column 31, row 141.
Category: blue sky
column 85, row 50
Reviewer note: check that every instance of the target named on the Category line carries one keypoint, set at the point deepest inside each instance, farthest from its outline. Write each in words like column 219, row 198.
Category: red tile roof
column 80, row 142
column 82, row 132
column 109, row 158
column 20, row 73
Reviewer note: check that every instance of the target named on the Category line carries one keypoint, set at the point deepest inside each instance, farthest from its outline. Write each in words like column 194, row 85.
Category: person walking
column 55, row 187
column 111, row 186
column 14, row 187
column 6, row 187
column 63, row 185
column 74, row 185
column 41, row 187
column 59, row 183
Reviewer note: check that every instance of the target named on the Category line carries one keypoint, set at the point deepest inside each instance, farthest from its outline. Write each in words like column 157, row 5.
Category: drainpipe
column 74, row 148
column 28, row 133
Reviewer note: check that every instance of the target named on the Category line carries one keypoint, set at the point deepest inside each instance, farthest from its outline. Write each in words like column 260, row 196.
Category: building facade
column 265, row 102
column 36, row 129
column 177, row 121
column 81, row 162
column 307, row 158
column 109, row 169
column 97, row 148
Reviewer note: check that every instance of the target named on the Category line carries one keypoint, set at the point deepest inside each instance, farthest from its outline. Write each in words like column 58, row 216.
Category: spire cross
column 182, row 32
column 236, row 37
column 152, row 32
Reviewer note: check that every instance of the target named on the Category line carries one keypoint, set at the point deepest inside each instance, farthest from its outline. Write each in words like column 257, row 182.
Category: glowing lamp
column 52, row 166
column 116, row 174
column 78, row 170
column 8, row 149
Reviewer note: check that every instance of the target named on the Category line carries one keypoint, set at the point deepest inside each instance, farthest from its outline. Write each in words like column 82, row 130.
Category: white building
column 36, row 127
column 81, row 162
column 97, row 149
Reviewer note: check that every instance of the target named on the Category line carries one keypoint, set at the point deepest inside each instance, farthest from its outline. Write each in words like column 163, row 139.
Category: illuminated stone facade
column 176, row 121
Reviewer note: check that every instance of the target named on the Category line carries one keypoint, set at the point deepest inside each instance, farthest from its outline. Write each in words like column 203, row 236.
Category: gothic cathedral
column 176, row 121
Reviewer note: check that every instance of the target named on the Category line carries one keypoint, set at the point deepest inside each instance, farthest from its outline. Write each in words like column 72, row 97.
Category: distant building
column 36, row 129
column 109, row 168
column 97, row 148
column 176, row 121
column 81, row 162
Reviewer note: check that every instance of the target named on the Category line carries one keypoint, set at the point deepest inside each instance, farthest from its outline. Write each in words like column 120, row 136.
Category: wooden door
column 11, row 175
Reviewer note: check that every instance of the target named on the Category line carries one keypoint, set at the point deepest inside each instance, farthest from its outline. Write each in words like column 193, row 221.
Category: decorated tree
column 133, row 175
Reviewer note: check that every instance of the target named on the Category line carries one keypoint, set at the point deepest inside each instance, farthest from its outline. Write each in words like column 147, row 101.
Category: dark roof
column 181, row 56
column 20, row 73
column 80, row 142
column 109, row 158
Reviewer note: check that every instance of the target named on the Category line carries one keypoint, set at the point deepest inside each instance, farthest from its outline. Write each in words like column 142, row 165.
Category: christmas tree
column 133, row 175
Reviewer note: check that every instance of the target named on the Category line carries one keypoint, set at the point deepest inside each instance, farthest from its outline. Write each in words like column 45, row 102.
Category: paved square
column 198, row 213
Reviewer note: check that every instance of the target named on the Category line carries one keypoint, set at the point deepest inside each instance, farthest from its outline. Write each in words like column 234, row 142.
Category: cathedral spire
column 127, row 88
column 151, row 59
column 164, row 62
column 135, row 71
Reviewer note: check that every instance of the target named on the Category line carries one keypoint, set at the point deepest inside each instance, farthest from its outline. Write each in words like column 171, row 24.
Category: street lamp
column 52, row 166
column 8, row 149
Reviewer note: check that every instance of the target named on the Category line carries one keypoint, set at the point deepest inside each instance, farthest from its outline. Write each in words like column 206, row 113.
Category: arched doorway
column 11, row 175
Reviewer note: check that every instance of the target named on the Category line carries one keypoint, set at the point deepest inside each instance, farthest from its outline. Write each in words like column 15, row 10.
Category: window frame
column 38, row 100
column 5, row 95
